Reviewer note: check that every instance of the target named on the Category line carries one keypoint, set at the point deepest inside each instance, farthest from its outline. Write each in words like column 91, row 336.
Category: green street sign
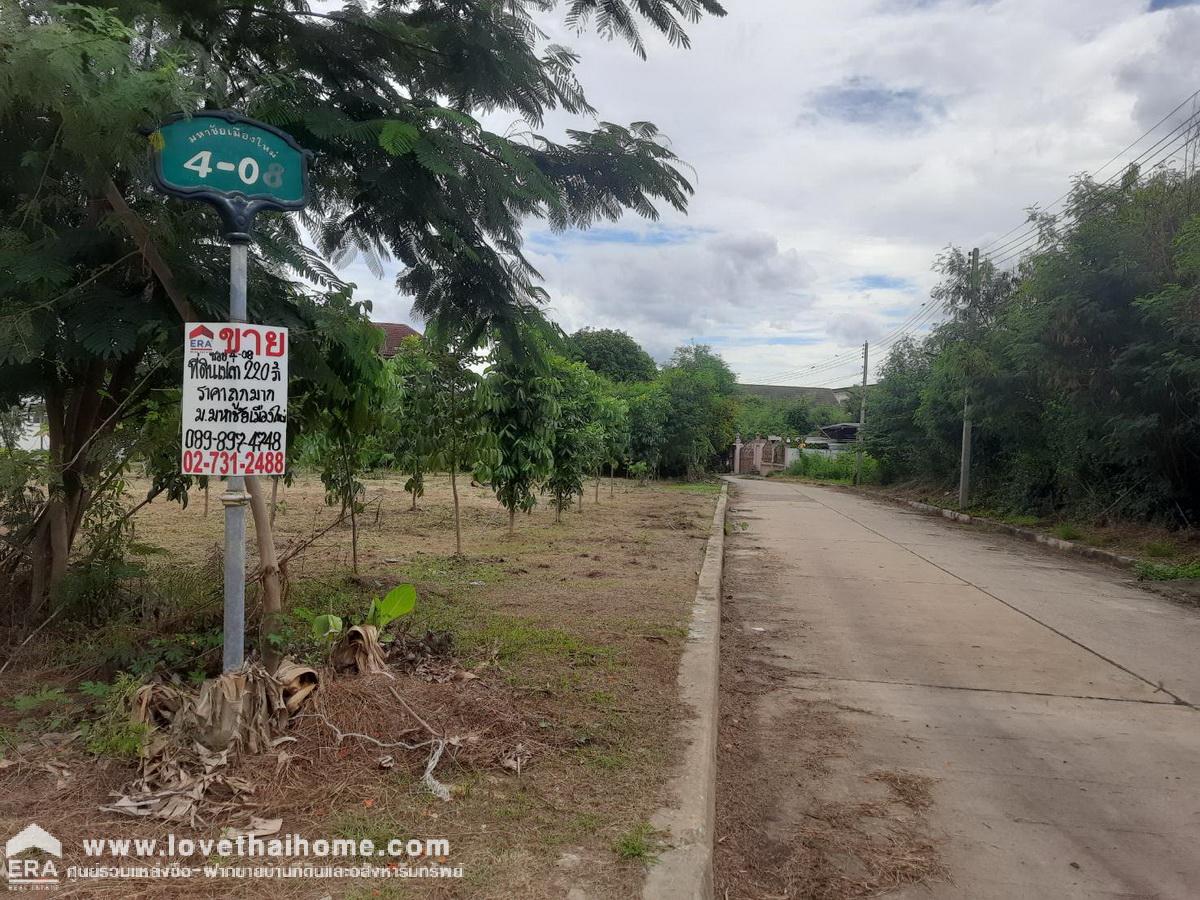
column 238, row 165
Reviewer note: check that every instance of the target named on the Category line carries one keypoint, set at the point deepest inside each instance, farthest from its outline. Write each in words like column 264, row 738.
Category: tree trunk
column 457, row 524
column 414, row 499
column 512, row 519
column 612, row 480
column 272, row 599
column 274, row 498
column 206, row 498
column 597, row 488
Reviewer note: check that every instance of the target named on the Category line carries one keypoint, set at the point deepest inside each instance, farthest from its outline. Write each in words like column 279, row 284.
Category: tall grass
column 838, row 468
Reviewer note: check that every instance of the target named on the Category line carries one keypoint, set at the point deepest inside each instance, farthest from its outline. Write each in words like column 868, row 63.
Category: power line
column 1115, row 157
column 1182, row 135
column 1011, row 247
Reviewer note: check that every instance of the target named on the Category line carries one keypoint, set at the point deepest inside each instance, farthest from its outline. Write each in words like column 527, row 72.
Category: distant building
column 394, row 334
column 761, row 456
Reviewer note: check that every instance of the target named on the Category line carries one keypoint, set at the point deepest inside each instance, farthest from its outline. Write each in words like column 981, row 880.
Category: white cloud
column 833, row 142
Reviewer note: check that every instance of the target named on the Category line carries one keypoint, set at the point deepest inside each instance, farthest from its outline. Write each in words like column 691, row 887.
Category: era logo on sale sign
column 235, row 383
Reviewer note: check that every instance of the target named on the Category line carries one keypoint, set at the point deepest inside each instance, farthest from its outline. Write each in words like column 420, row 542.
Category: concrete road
column 1049, row 701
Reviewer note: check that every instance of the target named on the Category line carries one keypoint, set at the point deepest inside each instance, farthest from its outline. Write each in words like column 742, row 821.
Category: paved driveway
column 897, row 684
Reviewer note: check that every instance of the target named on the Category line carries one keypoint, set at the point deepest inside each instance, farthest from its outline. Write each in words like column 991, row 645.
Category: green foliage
column 26, row 703
column 1083, row 369
column 578, row 444
column 326, row 627
column 613, row 354
column 699, row 388
column 406, row 436
column 113, row 732
column 1167, row 572
column 1161, row 549
column 840, row 467
column 398, row 602
column 638, row 843
column 518, row 400
column 406, row 170
column 647, row 408
column 1067, row 532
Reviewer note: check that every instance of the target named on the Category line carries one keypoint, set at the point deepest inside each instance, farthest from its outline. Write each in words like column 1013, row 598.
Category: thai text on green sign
column 228, row 155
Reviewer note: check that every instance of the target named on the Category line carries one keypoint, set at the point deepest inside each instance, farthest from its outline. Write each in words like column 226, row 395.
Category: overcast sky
column 837, row 146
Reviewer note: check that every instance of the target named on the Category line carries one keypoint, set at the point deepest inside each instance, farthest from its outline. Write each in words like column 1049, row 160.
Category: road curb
column 685, row 871
column 1028, row 534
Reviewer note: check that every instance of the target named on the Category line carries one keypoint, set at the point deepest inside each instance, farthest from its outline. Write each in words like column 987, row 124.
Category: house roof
column 818, row 396
column 394, row 334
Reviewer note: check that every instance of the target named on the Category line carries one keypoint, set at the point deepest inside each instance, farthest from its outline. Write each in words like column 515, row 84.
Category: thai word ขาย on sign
column 235, row 394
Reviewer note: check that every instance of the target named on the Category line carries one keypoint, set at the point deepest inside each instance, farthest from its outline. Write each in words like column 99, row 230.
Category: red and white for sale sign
column 235, row 393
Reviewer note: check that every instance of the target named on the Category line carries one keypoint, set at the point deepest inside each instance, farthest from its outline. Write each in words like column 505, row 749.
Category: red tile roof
column 394, row 334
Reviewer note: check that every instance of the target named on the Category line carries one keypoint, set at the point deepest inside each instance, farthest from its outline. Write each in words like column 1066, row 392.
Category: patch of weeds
column 362, row 825
column 1160, row 549
column 478, row 631
column 604, row 760
column 602, row 699
column 1167, row 571
column 584, row 824
column 450, row 570
column 112, row 733
column 513, row 807
column 693, row 487
column 27, row 703
column 1024, row 521
column 638, row 843
column 1067, row 532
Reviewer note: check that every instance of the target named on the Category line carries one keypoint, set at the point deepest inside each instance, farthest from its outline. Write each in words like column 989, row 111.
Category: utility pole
column 862, row 419
column 964, row 462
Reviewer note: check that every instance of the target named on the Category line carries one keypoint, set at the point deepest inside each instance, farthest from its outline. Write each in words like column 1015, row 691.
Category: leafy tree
column 648, row 408
column 700, row 390
column 614, row 420
column 97, row 272
column 407, row 424
column 456, row 432
column 520, row 412
column 578, row 441
column 613, row 354
column 351, row 418
column 1084, row 385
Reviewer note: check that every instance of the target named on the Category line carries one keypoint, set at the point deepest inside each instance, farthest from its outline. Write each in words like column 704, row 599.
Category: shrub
column 1067, row 532
column 834, row 468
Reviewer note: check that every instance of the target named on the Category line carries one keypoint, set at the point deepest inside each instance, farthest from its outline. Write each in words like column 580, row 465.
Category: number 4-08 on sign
column 247, row 169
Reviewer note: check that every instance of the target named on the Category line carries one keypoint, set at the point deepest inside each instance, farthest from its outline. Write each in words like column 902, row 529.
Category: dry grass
column 576, row 629
column 796, row 817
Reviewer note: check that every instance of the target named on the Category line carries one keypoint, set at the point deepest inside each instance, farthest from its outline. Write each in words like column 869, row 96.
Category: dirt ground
column 574, row 629
column 796, row 815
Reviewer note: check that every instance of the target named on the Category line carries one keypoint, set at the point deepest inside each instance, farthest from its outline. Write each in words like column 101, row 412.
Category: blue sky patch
column 864, row 101
column 654, row 236
column 880, row 283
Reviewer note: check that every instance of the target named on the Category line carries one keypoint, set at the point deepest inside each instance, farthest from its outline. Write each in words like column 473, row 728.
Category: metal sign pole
column 235, row 499
column 241, row 167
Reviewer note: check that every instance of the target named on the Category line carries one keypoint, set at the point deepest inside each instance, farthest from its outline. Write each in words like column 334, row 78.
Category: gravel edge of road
column 685, row 871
